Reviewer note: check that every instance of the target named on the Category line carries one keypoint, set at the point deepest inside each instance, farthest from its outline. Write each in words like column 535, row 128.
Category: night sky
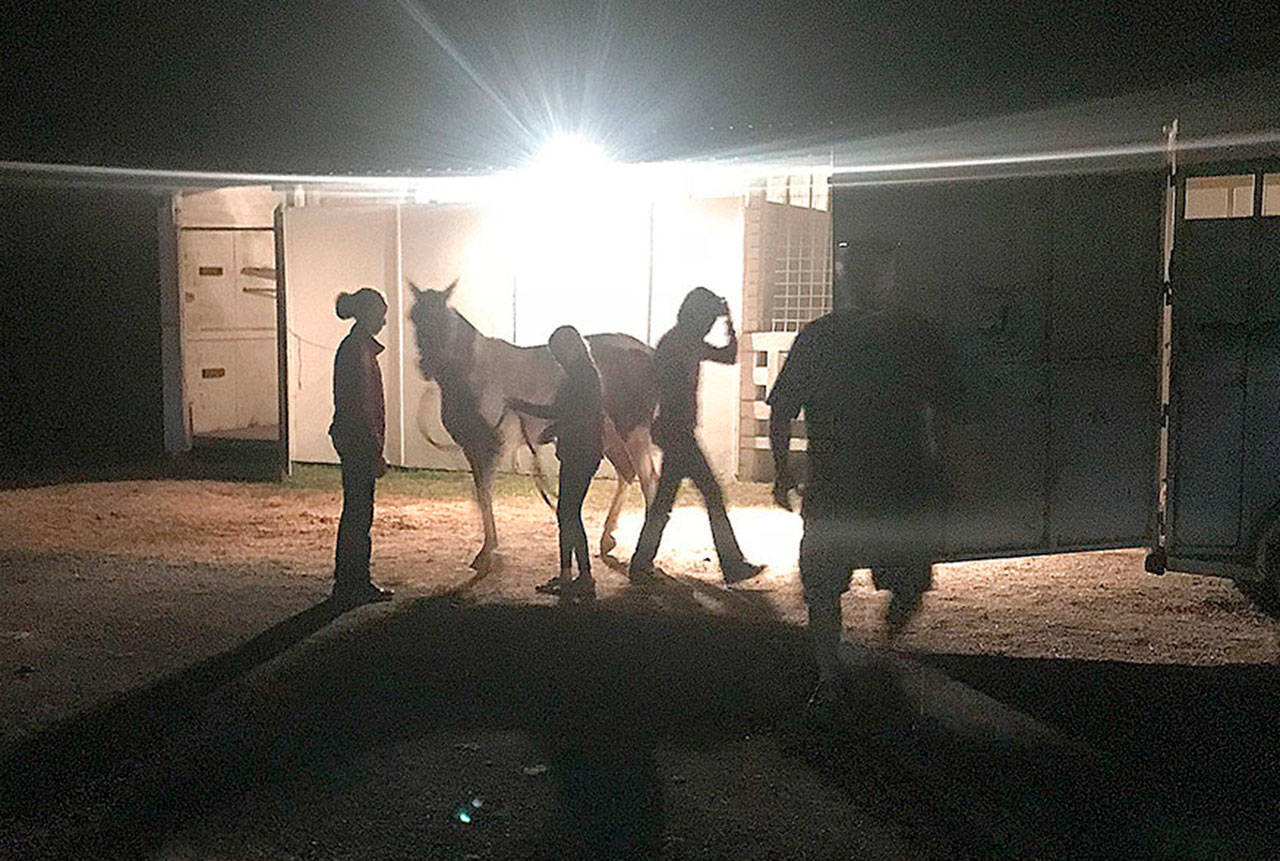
column 350, row 87
column 394, row 86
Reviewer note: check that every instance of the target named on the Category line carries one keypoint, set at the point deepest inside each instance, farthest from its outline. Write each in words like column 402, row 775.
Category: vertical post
column 396, row 307
column 177, row 428
column 648, row 323
column 1164, row 348
column 282, row 347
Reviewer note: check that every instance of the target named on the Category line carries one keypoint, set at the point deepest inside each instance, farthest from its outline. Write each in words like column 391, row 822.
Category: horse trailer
column 1118, row 345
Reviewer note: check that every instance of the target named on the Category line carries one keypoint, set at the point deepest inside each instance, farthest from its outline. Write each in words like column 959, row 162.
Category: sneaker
column 361, row 593
column 374, row 594
column 551, row 587
column 583, row 588
column 742, row 571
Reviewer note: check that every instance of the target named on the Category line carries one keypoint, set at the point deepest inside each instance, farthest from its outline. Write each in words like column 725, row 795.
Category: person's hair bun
column 345, row 306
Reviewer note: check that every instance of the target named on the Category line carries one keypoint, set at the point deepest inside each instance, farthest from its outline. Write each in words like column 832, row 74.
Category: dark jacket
column 576, row 415
column 677, row 362
column 359, row 411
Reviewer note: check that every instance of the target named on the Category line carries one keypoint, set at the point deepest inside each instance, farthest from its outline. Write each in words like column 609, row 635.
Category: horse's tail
column 426, row 431
column 622, row 444
column 539, row 477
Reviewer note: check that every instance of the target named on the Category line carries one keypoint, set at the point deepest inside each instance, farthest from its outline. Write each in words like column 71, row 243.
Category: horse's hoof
column 486, row 562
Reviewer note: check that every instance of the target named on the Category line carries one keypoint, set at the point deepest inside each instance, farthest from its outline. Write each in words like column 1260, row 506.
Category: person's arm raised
column 728, row 354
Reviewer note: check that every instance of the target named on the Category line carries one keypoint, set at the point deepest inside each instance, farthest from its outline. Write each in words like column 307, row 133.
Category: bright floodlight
column 567, row 153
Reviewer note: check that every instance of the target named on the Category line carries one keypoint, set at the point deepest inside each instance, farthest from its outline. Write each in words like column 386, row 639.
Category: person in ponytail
column 358, row 433
column 577, row 425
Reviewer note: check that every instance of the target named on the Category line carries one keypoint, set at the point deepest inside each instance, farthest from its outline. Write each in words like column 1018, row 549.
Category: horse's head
column 435, row 324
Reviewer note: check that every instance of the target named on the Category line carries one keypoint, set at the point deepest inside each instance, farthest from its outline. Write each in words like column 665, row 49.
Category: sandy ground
column 1098, row 606
column 113, row 587
column 215, row 562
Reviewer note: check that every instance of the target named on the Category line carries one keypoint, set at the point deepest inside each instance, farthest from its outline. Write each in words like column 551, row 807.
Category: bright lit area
column 569, row 237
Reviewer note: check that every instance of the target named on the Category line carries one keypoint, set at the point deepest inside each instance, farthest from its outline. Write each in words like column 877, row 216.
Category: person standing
column 873, row 381
column 577, row 419
column 358, row 432
column 677, row 362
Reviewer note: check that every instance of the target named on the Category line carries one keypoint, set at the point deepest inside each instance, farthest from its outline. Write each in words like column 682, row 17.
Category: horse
column 476, row 375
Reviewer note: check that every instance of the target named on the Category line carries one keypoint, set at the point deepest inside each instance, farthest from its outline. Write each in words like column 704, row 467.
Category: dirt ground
column 112, row 584
column 1096, row 606
column 173, row 677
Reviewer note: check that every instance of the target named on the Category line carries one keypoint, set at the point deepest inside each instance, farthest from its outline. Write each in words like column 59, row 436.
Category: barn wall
column 699, row 243
column 508, row 287
column 80, row 353
column 327, row 251
column 228, row 330
column 250, row 206
column 440, row 244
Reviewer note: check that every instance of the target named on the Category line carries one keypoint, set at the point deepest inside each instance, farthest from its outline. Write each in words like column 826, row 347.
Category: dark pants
column 575, row 480
column 682, row 458
column 897, row 540
column 351, row 559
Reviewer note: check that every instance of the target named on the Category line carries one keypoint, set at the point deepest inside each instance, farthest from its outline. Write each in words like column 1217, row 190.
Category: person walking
column 677, row 363
column 358, row 432
column 875, row 385
column 577, row 420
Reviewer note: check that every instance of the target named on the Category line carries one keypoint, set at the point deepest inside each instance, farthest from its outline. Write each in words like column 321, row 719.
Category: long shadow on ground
column 1208, row 737
column 596, row 688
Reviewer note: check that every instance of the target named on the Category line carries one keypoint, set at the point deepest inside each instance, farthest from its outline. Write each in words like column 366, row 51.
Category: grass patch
column 418, row 483
column 448, row 484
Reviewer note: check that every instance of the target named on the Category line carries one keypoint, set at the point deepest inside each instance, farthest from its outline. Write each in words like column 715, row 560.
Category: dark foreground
column 607, row 732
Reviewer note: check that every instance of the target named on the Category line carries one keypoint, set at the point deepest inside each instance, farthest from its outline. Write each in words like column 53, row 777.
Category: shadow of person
column 688, row 594
column 608, row 797
column 596, row 691
column 74, row 748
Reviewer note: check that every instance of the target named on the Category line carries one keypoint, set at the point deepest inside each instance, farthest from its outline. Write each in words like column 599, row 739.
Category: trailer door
column 1224, row 436
column 1048, row 290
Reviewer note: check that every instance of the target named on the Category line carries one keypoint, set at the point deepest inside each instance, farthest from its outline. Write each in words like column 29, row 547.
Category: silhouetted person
column 677, row 362
column 870, row 379
column 358, row 432
column 577, row 425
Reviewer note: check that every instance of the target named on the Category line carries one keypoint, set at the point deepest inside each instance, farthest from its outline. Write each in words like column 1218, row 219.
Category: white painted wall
column 601, row 285
column 238, row 206
column 439, row 244
column 329, row 250
column 699, row 242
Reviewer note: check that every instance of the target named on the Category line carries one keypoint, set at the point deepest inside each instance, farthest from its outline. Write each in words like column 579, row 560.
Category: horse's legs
column 640, row 448
column 607, row 541
column 483, row 468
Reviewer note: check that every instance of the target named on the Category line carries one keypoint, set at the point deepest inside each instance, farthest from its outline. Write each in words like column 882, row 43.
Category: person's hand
column 782, row 487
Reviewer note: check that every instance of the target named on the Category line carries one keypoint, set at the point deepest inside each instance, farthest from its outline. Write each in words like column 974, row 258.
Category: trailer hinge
column 1164, row 415
column 1168, row 294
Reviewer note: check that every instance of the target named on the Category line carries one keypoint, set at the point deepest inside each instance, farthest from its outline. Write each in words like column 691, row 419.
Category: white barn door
column 229, row 331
